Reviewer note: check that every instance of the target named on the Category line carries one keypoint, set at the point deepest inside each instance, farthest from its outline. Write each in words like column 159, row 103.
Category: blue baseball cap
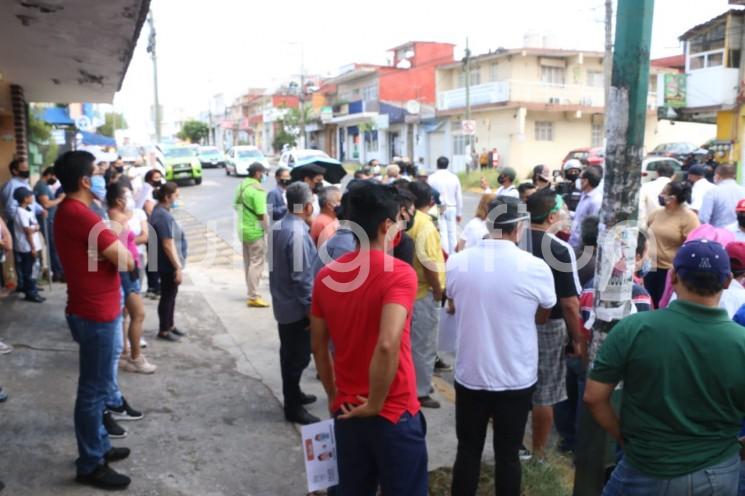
column 697, row 170
column 702, row 255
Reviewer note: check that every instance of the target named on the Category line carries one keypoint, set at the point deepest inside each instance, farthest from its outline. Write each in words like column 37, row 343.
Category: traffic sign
column 84, row 123
column 468, row 127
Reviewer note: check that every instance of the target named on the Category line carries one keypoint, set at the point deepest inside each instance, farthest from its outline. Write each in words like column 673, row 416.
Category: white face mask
column 578, row 184
column 130, row 202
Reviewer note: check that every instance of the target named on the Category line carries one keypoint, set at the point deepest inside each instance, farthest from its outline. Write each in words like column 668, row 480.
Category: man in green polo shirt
column 250, row 203
column 683, row 396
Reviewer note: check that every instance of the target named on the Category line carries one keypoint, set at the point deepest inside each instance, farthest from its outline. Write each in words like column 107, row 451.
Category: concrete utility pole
column 302, row 97
column 608, row 59
column 625, row 121
column 469, row 138
column 156, row 99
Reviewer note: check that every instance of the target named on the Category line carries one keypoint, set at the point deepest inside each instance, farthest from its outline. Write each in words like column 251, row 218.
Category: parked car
column 650, row 164
column 683, row 152
column 210, row 156
column 181, row 163
column 289, row 158
column 588, row 156
column 239, row 159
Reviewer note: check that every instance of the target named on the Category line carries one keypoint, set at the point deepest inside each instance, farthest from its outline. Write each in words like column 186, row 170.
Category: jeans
column 97, row 345
column 425, row 327
column 294, row 356
column 718, row 480
column 25, row 269
column 167, row 302
column 448, row 230
column 508, row 411
column 16, row 256
column 566, row 413
column 374, row 452
column 114, row 398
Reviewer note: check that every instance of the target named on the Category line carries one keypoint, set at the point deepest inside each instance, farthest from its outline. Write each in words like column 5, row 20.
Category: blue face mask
column 645, row 268
column 98, row 187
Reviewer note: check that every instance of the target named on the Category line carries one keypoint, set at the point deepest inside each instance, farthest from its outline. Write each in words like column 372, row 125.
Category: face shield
column 511, row 225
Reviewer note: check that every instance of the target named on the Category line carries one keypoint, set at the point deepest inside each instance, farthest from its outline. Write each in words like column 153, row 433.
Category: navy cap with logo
column 702, row 255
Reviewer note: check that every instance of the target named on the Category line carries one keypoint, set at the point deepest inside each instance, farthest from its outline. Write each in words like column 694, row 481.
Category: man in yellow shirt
column 429, row 264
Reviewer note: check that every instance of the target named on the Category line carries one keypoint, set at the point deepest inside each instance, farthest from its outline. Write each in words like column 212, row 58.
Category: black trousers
column 655, row 284
column 153, row 280
column 167, row 302
column 25, row 269
column 508, row 411
column 294, row 356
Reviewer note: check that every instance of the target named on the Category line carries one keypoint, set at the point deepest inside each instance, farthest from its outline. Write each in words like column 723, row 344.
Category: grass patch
column 553, row 478
column 472, row 180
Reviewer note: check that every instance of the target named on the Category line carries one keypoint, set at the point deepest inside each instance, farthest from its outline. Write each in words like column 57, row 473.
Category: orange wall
column 417, row 83
column 289, row 101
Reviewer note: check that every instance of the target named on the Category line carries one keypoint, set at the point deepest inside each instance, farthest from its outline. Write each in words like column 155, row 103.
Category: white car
column 291, row 157
column 650, row 164
column 239, row 158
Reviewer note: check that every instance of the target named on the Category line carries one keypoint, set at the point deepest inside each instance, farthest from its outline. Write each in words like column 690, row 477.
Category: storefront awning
column 97, row 139
column 355, row 118
column 56, row 116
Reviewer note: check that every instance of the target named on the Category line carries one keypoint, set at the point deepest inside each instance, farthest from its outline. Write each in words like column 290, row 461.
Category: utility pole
column 151, row 51
column 469, row 138
column 624, row 127
column 302, row 97
column 608, row 59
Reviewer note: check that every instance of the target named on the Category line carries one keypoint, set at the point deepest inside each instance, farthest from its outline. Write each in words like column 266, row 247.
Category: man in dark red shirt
column 362, row 303
column 92, row 257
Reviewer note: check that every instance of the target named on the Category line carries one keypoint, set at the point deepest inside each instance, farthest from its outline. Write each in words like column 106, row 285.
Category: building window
column 595, row 79
column 553, row 75
column 494, row 72
column 370, row 92
column 715, row 59
column 475, row 78
column 598, row 131
column 371, row 141
column 712, row 39
column 459, row 144
column 705, row 60
column 544, row 131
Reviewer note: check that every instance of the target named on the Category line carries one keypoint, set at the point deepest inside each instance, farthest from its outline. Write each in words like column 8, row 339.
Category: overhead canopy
column 69, row 50
column 56, row 116
column 97, row 139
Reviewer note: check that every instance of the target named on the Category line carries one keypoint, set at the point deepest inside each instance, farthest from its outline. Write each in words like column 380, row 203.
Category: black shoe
column 442, row 366
column 301, row 416
column 114, row 430
column 116, row 454
column 104, row 478
column 178, row 333
column 307, row 399
column 124, row 412
column 2, row 486
column 3, row 395
column 169, row 336
column 428, row 402
column 35, row 298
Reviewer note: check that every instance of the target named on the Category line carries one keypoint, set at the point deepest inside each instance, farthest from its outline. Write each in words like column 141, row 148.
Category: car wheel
column 197, row 181
column 227, row 171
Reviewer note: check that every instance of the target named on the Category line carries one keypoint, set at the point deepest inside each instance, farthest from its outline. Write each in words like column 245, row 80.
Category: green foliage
column 51, row 153
column 38, row 131
column 194, row 131
column 283, row 138
column 114, row 120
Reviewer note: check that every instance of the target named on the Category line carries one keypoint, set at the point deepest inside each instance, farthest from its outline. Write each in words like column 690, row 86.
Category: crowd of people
column 359, row 280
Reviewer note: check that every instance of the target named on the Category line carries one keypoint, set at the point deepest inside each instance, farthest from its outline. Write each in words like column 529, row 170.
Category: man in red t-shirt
column 92, row 256
column 362, row 303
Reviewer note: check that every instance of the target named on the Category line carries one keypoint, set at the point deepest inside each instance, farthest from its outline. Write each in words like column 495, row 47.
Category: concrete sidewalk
column 208, row 428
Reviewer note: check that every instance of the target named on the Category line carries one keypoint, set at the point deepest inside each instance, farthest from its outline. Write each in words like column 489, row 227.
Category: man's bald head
column 726, row 171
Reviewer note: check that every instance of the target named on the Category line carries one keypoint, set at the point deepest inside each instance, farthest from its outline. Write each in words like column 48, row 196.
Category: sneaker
column 116, row 454
column 139, row 365
column 143, row 343
column 442, row 366
column 168, row 336
column 104, row 477
column 428, row 402
column 5, row 348
column 257, row 303
column 3, row 395
column 525, row 454
column 114, row 430
column 301, row 416
column 178, row 333
column 307, row 399
column 124, row 412
column 35, row 298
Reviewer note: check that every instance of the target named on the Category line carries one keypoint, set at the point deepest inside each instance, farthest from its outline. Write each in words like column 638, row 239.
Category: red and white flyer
column 319, row 451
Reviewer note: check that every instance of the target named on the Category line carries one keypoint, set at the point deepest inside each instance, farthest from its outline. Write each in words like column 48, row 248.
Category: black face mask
column 285, row 182
column 338, row 211
column 24, row 174
column 119, row 169
column 501, row 179
column 741, row 220
column 50, row 182
column 410, row 222
column 571, row 176
column 317, row 187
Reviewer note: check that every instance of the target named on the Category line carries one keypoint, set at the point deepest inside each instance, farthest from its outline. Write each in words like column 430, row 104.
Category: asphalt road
column 212, row 203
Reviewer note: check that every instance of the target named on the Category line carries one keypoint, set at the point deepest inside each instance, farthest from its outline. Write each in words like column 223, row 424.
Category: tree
column 193, row 131
column 113, row 120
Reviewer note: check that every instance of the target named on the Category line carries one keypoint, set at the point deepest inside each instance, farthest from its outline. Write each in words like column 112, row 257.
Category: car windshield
column 208, row 151
column 249, row 154
column 178, row 152
column 681, row 148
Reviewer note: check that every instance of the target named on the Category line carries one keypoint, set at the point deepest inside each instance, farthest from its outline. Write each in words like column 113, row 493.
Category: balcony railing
column 527, row 91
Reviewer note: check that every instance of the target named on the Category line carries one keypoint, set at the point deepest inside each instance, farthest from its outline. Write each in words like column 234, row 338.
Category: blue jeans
column 373, row 451
column 25, row 271
column 718, row 480
column 566, row 413
column 97, row 345
column 114, row 398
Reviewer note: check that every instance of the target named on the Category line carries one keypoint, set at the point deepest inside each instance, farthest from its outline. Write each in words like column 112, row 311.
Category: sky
column 228, row 46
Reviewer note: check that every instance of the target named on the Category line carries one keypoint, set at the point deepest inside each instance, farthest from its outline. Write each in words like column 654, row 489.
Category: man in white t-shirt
column 28, row 242
column 448, row 186
column 650, row 192
column 701, row 185
column 506, row 182
column 496, row 366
